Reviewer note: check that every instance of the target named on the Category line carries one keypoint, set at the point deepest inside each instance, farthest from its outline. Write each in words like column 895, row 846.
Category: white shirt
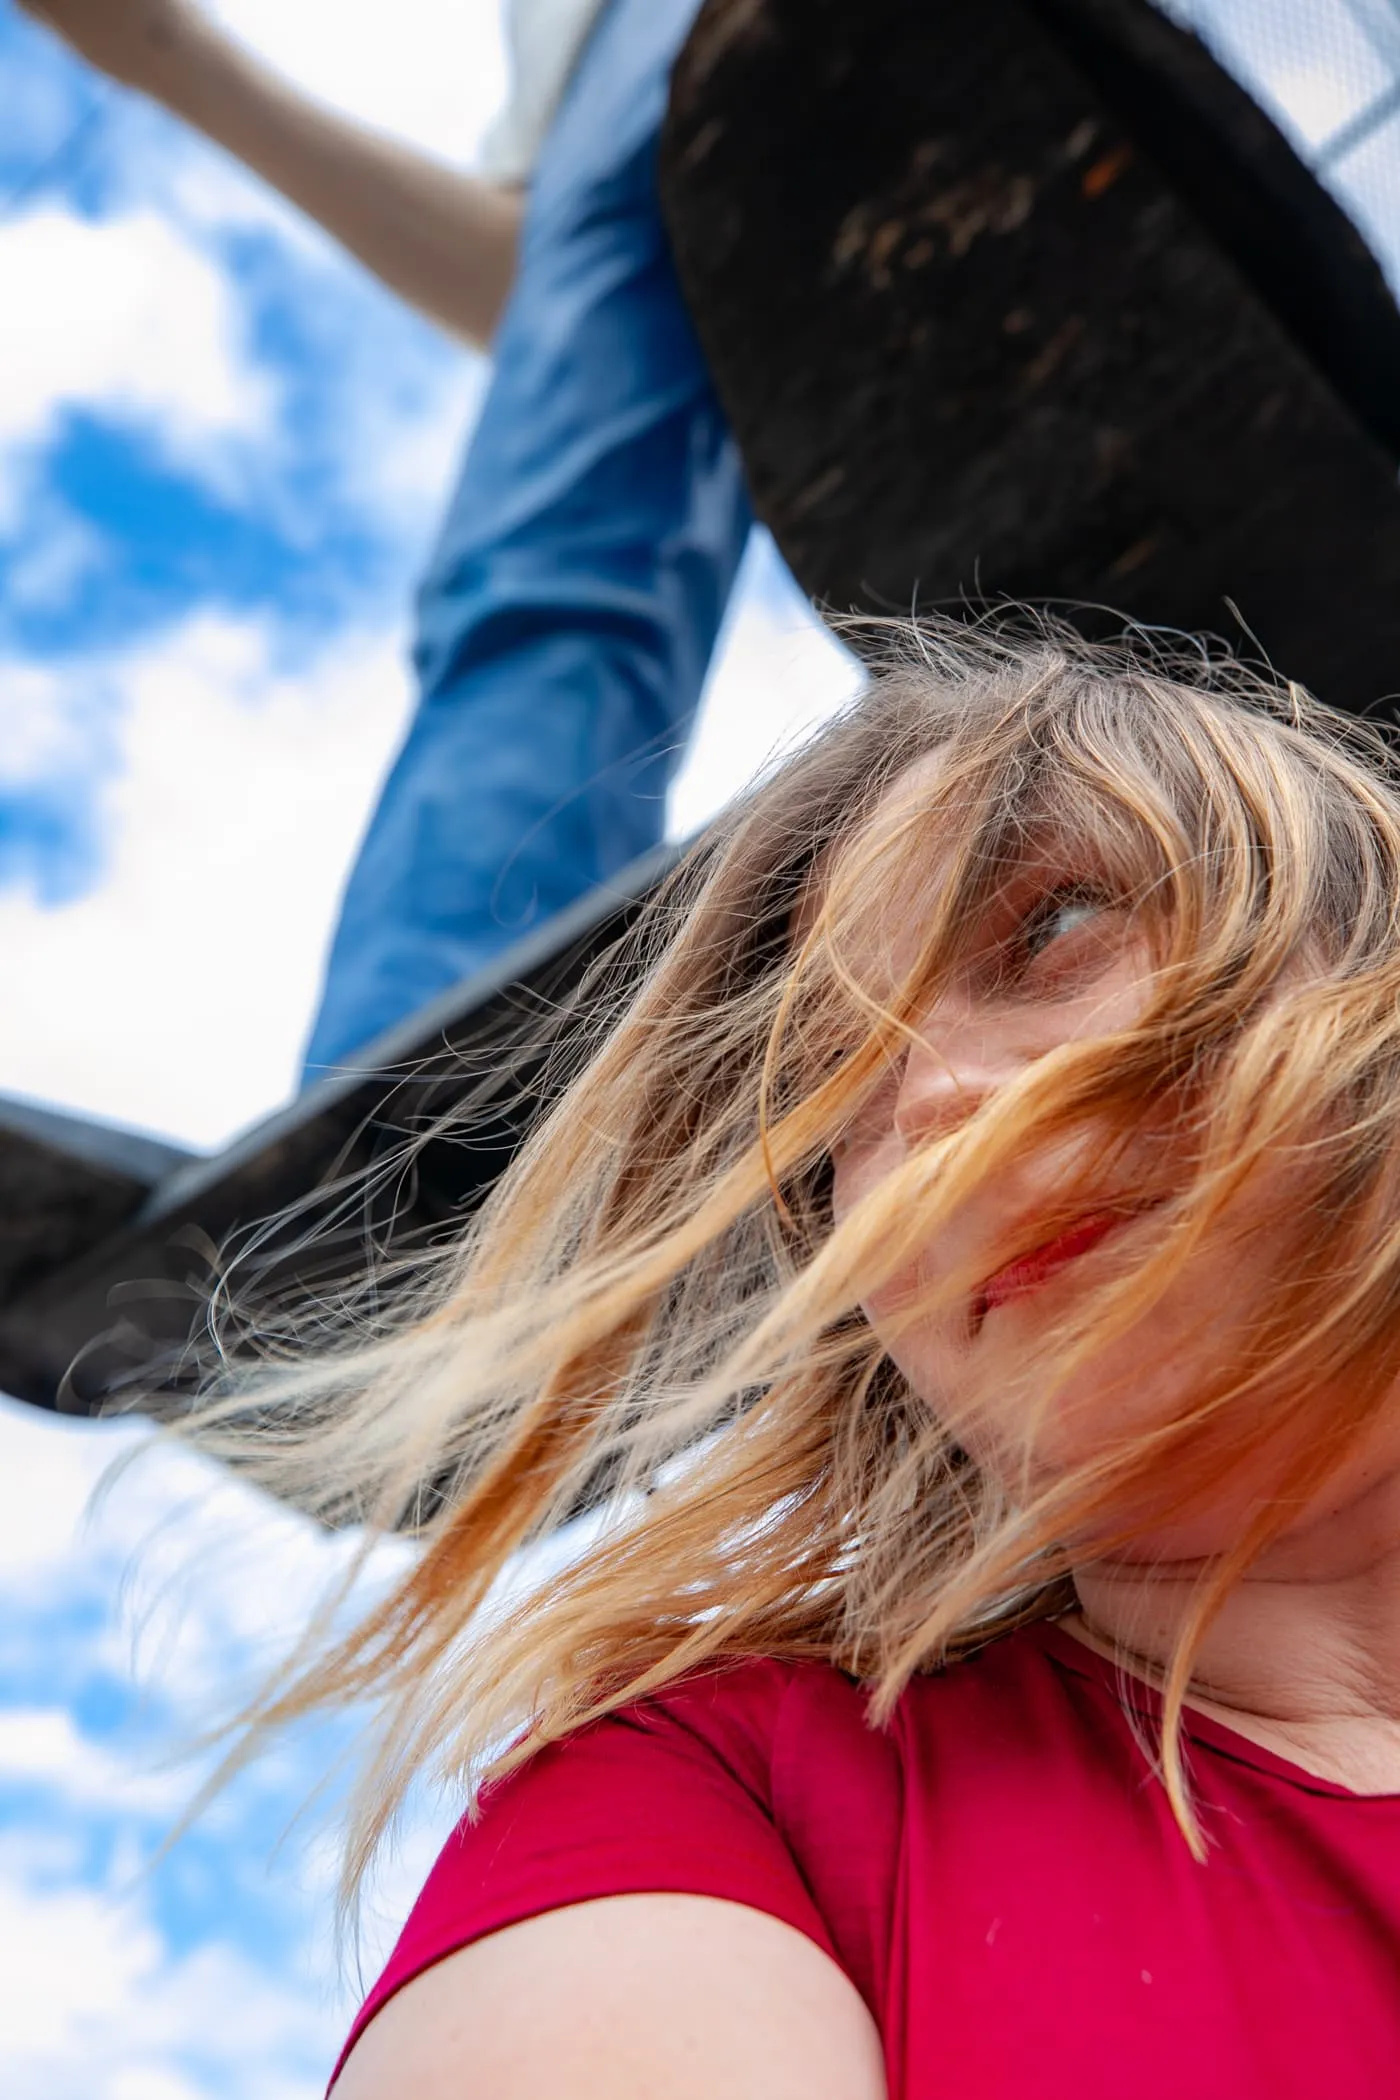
column 543, row 40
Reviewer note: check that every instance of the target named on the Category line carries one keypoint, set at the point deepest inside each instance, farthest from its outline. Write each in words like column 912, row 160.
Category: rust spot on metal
column 1082, row 138
column 851, row 236
column 816, row 492
column 1105, row 172
column 1136, row 556
column 1053, row 355
column 703, row 143
column 719, row 29
column 991, row 202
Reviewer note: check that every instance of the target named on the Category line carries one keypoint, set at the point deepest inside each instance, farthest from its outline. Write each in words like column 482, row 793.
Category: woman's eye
column 1058, row 915
column 1056, row 920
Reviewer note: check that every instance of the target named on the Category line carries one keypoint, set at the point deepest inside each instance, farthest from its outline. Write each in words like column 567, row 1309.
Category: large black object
column 1028, row 297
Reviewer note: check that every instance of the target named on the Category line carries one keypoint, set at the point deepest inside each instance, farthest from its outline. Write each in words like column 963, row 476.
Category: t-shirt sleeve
column 673, row 1796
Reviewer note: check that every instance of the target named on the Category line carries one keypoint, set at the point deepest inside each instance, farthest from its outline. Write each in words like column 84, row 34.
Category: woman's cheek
column 843, row 1181
column 858, row 1166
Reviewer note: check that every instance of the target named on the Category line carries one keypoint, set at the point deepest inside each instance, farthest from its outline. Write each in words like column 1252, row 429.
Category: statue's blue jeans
column 567, row 617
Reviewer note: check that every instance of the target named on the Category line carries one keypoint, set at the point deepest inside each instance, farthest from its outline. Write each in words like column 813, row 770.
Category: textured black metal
column 1031, row 300
column 65, row 1184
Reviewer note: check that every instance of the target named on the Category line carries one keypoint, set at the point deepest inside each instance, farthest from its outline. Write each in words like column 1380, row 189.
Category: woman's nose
column 945, row 1082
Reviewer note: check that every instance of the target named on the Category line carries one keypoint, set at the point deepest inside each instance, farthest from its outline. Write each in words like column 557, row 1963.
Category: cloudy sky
column 222, row 451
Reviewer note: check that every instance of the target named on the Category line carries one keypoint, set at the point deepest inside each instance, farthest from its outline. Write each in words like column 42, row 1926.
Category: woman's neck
column 1304, row 1655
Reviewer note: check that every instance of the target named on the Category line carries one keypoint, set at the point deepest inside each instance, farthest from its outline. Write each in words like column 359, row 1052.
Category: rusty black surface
column 1031, row 299
column 109, row 1276
column 66, row 1183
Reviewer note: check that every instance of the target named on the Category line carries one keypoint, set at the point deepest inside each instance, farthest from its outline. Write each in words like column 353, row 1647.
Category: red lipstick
column 1029, row 1271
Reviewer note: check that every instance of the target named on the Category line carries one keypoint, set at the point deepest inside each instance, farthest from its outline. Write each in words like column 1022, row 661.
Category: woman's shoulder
column 674, row 1794
column 790, row 1716
column 762, row 1782
column 803, row 1732
column 758, row 1738
column 752, row 1713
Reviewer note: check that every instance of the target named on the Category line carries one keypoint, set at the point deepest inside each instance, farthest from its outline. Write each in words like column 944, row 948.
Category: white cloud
column 165, row 343
column 45, row 1935
column 148, row 315
column 1313, row 67
column 401, row 450
column 243, row 785
column 104, row 1989
column 126, row 317
column 1310, row 101
column 243, row 764
column 41, row 101
column 43, row 1750
column 46, row 729
column 94, row 2000
column 244, row 778
column 185, row 1581
column 431, row 70
column 389, row 395
column 101, row 1997
column 1369, row 181
column 778, row 676
column 96, row 2005
column 55, row 551
column 196, row 1573
column 151, row 2082
column 50, row 1467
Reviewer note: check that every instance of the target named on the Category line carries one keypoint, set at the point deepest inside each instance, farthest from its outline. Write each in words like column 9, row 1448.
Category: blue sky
column 222, row 451
column 222, row 454
column 210, row 1973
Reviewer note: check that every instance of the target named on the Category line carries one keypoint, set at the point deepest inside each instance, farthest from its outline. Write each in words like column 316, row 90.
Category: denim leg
column 568, row 615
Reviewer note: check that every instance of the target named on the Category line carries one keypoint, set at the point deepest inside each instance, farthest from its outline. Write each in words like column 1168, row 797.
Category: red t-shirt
column 997, row 1871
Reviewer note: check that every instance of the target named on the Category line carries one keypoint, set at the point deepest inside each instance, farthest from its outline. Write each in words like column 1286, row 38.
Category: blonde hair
column 654, row 1318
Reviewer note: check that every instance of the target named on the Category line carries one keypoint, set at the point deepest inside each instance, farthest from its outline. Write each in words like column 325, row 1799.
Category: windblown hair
column 654, row 1319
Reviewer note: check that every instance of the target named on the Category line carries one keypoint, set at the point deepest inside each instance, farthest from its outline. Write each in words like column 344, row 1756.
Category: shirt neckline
column 1201, row 1728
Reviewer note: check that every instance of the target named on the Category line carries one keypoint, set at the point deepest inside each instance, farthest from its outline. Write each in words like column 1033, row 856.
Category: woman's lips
column 1029, row 1271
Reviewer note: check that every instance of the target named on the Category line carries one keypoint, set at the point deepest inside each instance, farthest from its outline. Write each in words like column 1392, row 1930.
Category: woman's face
column 1058, row 960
